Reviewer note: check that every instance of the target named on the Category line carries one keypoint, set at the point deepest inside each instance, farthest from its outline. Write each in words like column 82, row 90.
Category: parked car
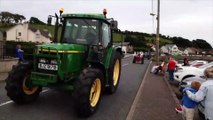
column 187, row 82
column 195, row 63
column 138, row 58
column 190, row 71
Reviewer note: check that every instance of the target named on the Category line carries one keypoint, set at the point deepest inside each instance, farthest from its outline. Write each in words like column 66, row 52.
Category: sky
column 190, row 19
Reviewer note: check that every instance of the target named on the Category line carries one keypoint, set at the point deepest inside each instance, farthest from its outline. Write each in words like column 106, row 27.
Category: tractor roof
column 95, row 16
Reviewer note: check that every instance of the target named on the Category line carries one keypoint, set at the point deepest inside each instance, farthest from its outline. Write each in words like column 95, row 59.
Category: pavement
column 3, row 76
column 155, row 99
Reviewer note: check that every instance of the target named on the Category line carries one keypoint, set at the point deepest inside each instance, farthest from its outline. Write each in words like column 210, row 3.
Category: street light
column 157, row 30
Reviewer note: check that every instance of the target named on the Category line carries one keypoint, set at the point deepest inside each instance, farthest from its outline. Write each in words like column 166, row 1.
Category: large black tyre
column 18, row 85
column 114, row 73
column 88, row 90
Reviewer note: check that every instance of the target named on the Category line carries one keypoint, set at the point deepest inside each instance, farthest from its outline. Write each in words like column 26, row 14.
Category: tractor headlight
column 42, row 60
column 53, row 62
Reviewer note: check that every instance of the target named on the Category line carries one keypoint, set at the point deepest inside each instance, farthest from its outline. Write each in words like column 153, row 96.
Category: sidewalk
column 156, row 100
column 3, row 76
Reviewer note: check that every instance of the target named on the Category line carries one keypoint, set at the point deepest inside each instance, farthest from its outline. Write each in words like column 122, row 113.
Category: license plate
column 47, row 66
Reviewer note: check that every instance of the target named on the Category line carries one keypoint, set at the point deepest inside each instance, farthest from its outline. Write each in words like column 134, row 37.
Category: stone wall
column 7, row 64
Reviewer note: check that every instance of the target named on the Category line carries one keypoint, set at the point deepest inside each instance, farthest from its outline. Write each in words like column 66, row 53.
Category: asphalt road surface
column 58, row 105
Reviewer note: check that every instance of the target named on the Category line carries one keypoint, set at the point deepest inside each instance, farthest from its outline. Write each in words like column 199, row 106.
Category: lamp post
column 157, row 31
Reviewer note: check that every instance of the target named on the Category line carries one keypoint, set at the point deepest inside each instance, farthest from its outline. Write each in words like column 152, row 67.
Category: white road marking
column 5, row 103
column 125, row 64
column 8, row 102
column 43, row 91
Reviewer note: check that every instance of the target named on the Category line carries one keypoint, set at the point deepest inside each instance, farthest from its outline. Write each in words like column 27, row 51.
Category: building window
column 37, row 36
column 19, row 33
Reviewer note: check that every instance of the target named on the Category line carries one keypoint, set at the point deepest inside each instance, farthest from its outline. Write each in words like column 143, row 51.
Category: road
column 55, row 105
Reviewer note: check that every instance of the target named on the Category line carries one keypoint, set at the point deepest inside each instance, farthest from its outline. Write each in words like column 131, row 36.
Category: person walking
column 205, row 94
column 171, row 68
column 19, row 53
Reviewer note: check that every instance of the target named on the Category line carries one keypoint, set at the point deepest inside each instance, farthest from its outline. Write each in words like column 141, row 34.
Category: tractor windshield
column 81, row 31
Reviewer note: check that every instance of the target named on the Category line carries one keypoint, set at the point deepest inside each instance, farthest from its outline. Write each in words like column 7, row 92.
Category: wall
column 13, row 33
column 7, row 64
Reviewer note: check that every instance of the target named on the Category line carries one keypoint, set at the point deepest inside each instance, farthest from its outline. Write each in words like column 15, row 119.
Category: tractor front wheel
column 88, row 90
column 114, row 73
column 18, row 85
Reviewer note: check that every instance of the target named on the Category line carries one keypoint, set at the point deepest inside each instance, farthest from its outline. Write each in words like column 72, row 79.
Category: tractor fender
column 110, row 54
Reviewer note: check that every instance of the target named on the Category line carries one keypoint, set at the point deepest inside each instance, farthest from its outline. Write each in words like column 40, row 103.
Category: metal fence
column 2, row 51
column 7, row 50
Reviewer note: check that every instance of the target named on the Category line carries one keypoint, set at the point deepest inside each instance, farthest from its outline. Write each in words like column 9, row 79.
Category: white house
column 126, row 47
column 170, row 49
column 22, row 32
column 191, row 51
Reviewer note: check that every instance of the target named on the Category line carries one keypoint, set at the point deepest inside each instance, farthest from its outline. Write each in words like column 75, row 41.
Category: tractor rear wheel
column 114, row 73
column 88, row 90
column 18, row 85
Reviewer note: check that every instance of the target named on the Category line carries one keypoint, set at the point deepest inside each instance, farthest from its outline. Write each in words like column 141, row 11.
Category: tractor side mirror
column 49, row 20
column 114, row 24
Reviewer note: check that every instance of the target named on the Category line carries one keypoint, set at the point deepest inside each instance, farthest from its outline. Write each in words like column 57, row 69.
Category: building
column 126, row 47
column 191, row 51
column 171, row 49
column 22, row 32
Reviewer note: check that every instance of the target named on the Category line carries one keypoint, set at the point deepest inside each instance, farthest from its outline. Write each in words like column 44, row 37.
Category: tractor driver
column 91, row 36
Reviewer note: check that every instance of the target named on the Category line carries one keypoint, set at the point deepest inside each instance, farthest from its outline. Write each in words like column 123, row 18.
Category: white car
column 187, row 82
column 188, row 71
column 194, row 63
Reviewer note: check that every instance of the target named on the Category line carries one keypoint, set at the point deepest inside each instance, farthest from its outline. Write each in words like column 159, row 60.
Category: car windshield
column 206, row 65
column 81, row 31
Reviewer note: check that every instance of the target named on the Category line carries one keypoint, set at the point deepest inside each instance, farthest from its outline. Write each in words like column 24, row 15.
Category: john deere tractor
column 84, row 62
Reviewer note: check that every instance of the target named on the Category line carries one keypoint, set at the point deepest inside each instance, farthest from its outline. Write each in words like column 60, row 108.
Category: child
column 188, row 105
column 19, row 53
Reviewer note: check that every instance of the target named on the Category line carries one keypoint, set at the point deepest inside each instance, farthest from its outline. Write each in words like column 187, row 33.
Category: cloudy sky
column 191, row 19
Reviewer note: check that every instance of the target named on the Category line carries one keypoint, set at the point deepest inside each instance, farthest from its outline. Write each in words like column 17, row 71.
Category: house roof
column 182, row 49
column 168, row 46
column 210, row 52
column 45, row 33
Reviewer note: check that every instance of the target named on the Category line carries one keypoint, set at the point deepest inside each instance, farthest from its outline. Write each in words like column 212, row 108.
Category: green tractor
column 85, row 62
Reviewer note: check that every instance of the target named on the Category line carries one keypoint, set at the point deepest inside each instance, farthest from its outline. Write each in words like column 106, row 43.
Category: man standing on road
column 171, row 68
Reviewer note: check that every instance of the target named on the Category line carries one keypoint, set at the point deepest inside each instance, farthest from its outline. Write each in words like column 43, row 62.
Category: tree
column 202, row 44
column 10, row 18
column 34, row 20
column 181, row 42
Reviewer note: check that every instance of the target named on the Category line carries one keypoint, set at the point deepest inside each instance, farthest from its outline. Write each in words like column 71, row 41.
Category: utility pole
column 157, row 32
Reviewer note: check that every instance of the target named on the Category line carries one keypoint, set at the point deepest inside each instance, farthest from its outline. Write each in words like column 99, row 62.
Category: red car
column 138, row 58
